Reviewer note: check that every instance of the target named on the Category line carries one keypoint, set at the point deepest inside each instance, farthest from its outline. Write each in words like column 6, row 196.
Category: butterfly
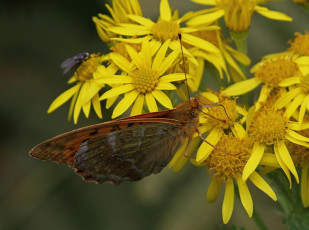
column 126, row 149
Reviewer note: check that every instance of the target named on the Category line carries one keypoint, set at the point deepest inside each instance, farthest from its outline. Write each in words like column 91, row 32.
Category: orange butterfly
column 127, row 149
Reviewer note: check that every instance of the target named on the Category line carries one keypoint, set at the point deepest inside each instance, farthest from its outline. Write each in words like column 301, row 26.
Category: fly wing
column 68, row 64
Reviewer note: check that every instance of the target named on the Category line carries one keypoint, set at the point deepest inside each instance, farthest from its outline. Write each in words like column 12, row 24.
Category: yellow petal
column 303, row 64
column 297, row 136
column 151, row 103
column 157, row 62
column 269, row 159
column 254, row 160
column 62, row 98
column 165, row 86
column 78, row 104
column 283, row 166
column 165, row 10
column 260, row 183
column 250, row 116
column 200, row 43
column 138, row 105
column 121, row 62
column 162, row 98
column 115, row 80
column 205, row 149
column 97, row 105
column 286, row 98
column 303, row 108
column 86, row 108
column 286, row 158
column 291, row 108
column 129, row 30
column 213, row 190
column 304, row 189
column 125, row 103
column 239, row 131
column 174, row 77
column 241, row 87
column 110, row 101
column 228, row 201
column 117, row 91
column 245, row 196
column 264, row 94
column 275, row 15
column 296, row 141
column 136, row 58
column 167, row 62
column 141, row 20
column 289, row 81
column 206, row 18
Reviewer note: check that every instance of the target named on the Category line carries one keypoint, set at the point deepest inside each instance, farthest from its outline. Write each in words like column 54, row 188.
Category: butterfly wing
column 117, row 151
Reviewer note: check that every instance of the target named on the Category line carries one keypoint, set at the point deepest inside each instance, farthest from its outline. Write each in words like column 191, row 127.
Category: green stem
column 259, row 221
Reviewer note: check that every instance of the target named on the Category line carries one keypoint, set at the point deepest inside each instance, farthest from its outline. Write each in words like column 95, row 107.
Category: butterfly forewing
column 125, row 149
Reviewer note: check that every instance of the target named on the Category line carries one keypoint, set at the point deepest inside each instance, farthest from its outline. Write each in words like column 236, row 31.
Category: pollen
column 145, row 80
column 299, row 154
column 275, row 70
column 268, row 126
column 238, row 14
column 87, row 68
column 164, row 30
column 300, row 45
column 230, row 157
column 223, row 115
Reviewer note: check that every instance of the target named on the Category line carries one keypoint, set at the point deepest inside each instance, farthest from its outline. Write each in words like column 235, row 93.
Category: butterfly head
column 194, row 107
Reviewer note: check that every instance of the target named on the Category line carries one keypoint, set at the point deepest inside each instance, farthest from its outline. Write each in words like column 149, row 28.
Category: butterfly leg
column 187, row 149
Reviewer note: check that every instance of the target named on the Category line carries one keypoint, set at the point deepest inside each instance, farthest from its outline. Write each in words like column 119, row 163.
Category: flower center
column 300, row 45
column 222, row 116
column 145, row 80
column 163, row 30
column 238, row 14
column 274, row 71
column 300, row 154
column 268, row 126
column 87, row 68
column 231, row 160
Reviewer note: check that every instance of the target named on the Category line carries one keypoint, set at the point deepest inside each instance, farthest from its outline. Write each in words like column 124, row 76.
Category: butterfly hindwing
column 129, row 154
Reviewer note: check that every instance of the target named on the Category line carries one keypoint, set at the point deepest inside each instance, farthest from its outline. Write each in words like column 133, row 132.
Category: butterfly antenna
column 184, row 66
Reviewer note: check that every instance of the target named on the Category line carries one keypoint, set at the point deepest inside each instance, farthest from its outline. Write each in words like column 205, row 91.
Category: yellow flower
column 145, row 79
column 167, row 28
column 229, row 54
column 270, row 129
column 300, row 45
column 214, row 120
column 237, row 13
column 276, row 72
column 119, row 12
column 300, row 156
column 85, row 92
column 226, row 165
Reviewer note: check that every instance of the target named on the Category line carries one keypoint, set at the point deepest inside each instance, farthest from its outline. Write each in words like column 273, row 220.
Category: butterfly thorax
column 188, row 114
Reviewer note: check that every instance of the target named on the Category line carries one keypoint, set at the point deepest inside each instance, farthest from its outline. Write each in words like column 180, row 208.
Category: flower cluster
column 147, row 70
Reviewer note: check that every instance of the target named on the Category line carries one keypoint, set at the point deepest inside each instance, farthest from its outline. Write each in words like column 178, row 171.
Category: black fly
column 74, row 62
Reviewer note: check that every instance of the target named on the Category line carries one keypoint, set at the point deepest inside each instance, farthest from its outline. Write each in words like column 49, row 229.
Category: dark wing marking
column 129, row 154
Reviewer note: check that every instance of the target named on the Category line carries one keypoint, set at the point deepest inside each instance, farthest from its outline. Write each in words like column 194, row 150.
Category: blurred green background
column 36, row 36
